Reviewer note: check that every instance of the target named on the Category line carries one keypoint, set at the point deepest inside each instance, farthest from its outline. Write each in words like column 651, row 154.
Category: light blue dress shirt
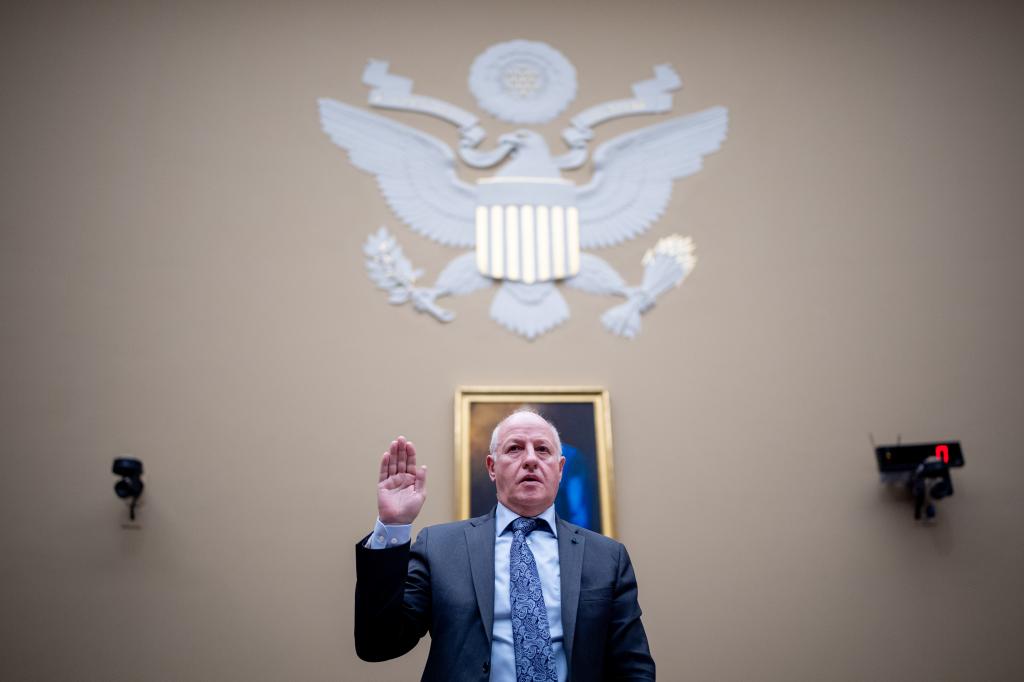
column 385, row 536
column 544, row 545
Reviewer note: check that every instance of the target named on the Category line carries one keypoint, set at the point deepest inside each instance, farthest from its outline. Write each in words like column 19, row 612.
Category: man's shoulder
column 451, row 528
column 592, row 538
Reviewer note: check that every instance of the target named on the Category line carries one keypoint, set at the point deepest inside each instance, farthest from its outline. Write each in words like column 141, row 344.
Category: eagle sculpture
column 528, row 227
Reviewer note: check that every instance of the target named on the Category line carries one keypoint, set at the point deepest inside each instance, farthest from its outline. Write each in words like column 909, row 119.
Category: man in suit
column 517, row 594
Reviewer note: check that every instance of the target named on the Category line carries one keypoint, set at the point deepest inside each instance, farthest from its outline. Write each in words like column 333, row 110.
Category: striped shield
column 527, row 229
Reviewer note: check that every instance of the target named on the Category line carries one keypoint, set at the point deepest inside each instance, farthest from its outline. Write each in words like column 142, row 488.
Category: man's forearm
column 630, row 655
column 392, row 600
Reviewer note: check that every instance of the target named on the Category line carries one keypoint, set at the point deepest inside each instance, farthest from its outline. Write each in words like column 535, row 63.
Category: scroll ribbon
column 650, row 96
column 391, row 91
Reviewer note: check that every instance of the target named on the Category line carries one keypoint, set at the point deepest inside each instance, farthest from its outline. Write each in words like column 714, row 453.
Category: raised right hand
column 401, row 488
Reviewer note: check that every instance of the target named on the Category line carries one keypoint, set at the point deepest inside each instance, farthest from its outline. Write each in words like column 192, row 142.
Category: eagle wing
column 415, row 171
column 634, row 172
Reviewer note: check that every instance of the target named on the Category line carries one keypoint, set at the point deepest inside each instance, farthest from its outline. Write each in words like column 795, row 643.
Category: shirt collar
column 503, row 516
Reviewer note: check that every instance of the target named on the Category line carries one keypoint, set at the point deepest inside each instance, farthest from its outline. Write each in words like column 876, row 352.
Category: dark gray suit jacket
column 444, row 584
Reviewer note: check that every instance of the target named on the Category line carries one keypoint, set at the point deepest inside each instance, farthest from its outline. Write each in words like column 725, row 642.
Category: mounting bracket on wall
column 923, row 468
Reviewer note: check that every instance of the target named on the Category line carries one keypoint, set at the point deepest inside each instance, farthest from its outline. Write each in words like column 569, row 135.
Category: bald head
column 497, row 430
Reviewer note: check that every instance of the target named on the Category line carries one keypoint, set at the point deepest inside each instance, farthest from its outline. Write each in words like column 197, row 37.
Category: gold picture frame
column 582, row 416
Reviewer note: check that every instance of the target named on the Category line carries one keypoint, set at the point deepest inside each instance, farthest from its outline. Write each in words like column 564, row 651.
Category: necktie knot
column 524, row 525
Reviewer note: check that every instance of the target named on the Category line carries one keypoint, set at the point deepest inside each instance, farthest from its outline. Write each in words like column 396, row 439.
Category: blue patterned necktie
column 531, row 636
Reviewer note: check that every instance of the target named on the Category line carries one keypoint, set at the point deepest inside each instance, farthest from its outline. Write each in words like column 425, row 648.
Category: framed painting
column 582, row 417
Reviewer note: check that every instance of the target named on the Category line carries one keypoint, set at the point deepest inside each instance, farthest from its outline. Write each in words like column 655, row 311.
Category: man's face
column 526, row 467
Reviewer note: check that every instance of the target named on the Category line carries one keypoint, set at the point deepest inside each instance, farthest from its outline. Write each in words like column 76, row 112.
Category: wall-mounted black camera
column 923, row 468
column 130, row 486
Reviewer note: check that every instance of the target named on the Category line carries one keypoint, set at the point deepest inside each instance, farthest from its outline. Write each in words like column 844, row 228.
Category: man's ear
column 561, row 466
column 490, row 466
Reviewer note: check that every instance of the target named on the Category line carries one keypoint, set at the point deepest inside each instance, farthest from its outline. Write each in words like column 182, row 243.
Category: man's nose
column 531, row 459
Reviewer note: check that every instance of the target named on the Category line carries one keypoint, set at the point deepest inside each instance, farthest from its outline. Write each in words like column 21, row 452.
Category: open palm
column 401, row 487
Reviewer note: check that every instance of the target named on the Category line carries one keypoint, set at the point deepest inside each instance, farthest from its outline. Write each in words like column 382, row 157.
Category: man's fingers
column 402, row 456
column 393, row 460
column 421, row 480
column 410, row 457
column 399, row 459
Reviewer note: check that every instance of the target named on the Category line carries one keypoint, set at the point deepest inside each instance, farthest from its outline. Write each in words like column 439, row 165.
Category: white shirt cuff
column 389, row 535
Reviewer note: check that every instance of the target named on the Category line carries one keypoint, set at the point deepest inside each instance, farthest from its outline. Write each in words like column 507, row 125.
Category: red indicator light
column 942, row 453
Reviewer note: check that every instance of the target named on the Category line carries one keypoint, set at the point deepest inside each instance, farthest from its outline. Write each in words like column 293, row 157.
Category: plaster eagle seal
column 528, row 227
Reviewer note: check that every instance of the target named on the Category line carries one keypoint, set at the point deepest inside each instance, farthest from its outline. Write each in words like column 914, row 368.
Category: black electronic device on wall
column 923, row 468
column 130, row 486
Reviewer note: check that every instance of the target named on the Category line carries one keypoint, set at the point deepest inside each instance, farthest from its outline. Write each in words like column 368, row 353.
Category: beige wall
column 182, row 280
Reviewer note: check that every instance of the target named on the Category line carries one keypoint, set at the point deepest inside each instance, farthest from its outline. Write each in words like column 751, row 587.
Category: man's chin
column 529, row 502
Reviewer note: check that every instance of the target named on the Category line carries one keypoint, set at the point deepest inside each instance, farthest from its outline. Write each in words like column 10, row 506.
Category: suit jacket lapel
column 570, row 563
column 480, row 543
